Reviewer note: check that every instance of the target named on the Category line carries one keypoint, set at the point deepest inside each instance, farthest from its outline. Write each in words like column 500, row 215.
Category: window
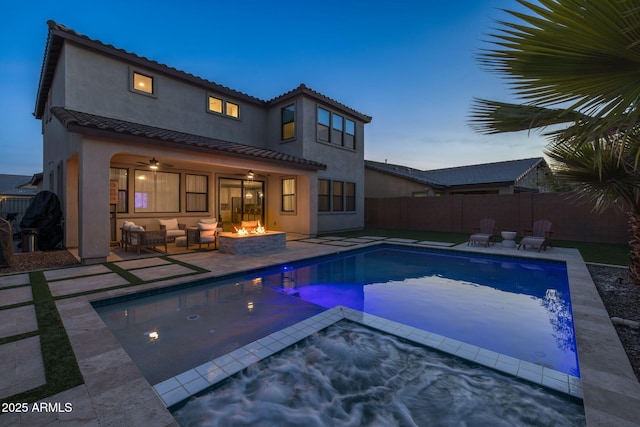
column 349, row 133
column 350, row 196
column 336, row 129
column 338, row 193
column 232, row 109
column 142, row 83
column 120, row 175
column 289, row 195
column 220, row 106
column 324, row 120
column 197, row 189
column 215, row 104
column 324, row 194
column 156, row 192
column 288, row 115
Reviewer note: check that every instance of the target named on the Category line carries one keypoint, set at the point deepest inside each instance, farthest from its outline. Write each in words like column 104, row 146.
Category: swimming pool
column 512, row 306
column 516, row 307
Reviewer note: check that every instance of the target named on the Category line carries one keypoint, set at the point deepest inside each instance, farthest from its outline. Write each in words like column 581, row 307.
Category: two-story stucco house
column 171, row 144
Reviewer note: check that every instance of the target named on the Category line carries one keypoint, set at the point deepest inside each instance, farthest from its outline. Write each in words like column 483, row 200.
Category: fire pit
column 250, row 242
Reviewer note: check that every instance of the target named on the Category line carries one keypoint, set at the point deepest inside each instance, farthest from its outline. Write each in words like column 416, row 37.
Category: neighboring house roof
column 487, row 173
column 16, row 185
column 399, row 171
column 483, row 174
column 84, row 123
column 58, row 34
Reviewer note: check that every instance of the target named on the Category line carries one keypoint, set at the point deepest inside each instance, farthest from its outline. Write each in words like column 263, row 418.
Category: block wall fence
column 572, row 220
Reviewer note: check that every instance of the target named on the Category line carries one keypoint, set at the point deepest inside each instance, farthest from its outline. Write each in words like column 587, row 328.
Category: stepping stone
column 15, row 295
column 16, row 321
column 21, row 366
column 66, row 273
column 14, row 280
column 312, row 241
column 397, row 240
column 332, row 238
column 444, row 244
column 357, row 240
column 339, row 243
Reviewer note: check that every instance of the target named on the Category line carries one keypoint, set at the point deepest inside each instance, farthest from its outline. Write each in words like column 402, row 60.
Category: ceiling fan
column 154, row 164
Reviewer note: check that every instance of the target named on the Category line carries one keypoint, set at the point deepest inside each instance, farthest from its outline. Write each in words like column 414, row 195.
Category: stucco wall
column 101, row 85
column 384, row 185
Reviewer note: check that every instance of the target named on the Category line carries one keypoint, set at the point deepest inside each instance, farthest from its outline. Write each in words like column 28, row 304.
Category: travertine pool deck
column 115, row 393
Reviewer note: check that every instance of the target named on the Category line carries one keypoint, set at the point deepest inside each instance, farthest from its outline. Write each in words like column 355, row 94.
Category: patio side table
column 508, row 239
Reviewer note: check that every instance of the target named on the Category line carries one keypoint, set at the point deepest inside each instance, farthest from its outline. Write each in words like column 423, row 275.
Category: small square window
column 233, row 110
column 215, row 104
column 142, row 83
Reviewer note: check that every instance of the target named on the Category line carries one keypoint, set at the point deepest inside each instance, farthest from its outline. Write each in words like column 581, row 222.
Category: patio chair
column 485, row 234
column 539, row 237
column 202, row 233
column 138, row 237
column 173, row 228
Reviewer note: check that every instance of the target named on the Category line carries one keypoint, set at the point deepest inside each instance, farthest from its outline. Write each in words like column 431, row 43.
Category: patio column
column 93, row 201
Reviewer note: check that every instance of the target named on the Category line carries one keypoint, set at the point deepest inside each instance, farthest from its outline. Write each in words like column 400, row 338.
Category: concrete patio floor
column 115, row 393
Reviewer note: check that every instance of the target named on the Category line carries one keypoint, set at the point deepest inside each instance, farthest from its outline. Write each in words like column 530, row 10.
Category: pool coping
column 176, row 389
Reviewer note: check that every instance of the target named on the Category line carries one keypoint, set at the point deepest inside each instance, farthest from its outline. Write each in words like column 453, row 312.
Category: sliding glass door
column 240, row 200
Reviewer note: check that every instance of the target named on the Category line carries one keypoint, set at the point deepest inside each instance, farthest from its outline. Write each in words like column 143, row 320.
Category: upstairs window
column 336, row 129
column 232, row 110
column 349, row 134
column 221, row 106
column 215, row 104
column 143, row 83
column 288, row 116
column 324, row 121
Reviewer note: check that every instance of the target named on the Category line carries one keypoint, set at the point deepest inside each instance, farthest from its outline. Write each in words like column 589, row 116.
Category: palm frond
column 581, row 52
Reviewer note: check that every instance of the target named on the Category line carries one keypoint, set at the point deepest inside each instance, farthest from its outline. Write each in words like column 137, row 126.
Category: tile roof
column 487, row 173
column 303, row 89
column 59, row 33
column 76, row 121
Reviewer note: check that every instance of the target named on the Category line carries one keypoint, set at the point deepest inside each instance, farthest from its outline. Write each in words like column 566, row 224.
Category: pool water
column 350, row 375
column 512, row 306
column 517, row 307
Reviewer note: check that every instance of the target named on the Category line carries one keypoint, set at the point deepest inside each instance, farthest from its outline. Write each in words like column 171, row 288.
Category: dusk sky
column 409, row 64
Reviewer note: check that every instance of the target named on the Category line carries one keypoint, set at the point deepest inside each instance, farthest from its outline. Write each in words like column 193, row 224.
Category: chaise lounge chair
column 485, row 234
column 539, row 237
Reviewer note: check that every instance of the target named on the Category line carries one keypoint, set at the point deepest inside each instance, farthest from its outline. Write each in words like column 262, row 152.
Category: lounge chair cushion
column 128, row 224
column 209, row 221
column 170, row 224
column 207, row 230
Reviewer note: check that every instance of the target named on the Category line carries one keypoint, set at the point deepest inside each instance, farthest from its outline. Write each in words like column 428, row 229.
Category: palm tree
column 575, row 63
column 602, row 173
